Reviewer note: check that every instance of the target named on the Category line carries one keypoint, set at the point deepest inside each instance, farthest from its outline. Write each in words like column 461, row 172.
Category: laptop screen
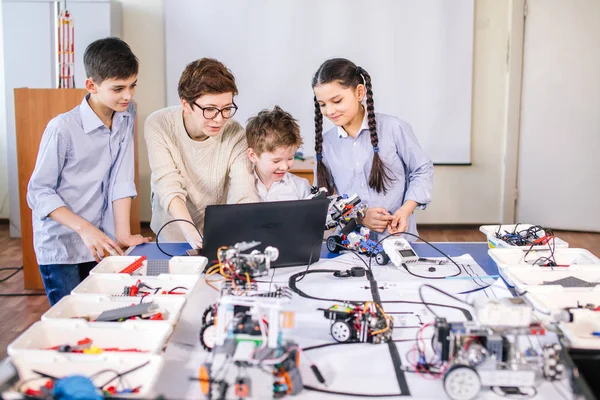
column 294, row 227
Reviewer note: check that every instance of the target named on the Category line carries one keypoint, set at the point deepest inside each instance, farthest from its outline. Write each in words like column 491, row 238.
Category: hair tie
column 376, row 149
column 319, row 157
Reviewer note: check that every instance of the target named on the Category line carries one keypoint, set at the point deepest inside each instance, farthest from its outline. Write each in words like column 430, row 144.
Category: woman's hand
column 192, row 237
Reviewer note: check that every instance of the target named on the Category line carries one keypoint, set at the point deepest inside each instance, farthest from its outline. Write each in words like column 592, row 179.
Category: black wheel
column 209, row 314
column 208, row 335
column 461, row 382
column 341, row 331
column 334, row 244
column 382, row 258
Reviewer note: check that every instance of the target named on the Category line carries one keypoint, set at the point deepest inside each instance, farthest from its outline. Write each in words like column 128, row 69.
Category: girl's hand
column 377, row 219
column 399, row 221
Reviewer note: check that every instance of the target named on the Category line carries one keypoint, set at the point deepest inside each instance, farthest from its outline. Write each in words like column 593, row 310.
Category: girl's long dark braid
column 379, row 178
column 324, row 178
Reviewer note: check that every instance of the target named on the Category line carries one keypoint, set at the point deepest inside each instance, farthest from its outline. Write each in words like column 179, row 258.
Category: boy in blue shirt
column 81, row 188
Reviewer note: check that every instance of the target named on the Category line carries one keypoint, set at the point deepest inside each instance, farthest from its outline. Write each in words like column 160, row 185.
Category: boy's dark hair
column 272, row 129
column 205, row 76
column 347, row 74
column 109, row 58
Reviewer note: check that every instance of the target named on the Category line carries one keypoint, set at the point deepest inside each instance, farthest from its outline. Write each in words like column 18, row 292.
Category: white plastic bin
column 177, row 265
column 513, row 257
column 113, row 284
column 552, row 299
column 43, row 335
column 490, row 230
column 62, row 365
column 187, row 265
column 91, row 306
column 504, row 257
column 524, row 277
column 115, row 264
column 579, row 333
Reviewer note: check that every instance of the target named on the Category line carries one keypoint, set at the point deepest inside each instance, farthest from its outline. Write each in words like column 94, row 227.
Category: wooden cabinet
column 34, row 108
column 304, row 169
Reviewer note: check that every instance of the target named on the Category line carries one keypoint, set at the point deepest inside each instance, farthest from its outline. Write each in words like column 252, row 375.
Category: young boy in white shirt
column 273, row 138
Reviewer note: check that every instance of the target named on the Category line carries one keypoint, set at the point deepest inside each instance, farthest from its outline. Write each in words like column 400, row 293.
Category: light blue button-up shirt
column 349, row 160
column 84, row 166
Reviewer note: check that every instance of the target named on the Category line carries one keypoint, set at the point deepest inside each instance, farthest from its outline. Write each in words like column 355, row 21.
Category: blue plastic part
column 76, row 387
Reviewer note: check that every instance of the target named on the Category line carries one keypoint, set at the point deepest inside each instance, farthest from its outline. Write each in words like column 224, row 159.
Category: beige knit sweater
column 215, row 171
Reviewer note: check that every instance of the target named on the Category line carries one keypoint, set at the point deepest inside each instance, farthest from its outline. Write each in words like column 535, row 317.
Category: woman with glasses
column 197, row 153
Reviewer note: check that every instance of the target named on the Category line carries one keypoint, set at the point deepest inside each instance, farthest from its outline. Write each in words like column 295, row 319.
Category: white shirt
column 290, row 187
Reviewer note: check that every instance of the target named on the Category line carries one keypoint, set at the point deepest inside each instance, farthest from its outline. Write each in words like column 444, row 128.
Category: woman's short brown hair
column 272, row 129
column 205, row 76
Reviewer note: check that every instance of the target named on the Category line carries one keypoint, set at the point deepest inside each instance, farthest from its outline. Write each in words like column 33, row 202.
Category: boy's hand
column 377, row 219
column 133, row 240
column 98, row 242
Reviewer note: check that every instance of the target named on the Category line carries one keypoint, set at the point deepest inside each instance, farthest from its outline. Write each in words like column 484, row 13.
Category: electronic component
column 359, row 323
column 399, row 251
column 127, row 312
column 476, row 354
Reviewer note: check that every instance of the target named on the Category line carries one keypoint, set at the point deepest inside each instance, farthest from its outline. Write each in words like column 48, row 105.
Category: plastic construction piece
column 127, row 312
column 134, row 266
column 157, row 267
column 571, row 281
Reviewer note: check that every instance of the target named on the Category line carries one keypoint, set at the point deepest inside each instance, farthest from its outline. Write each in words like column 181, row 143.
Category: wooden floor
column 18, row 313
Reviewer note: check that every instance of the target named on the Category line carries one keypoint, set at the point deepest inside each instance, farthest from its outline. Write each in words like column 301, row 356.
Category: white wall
column 461, row 194
column 474, row 194
column 143, row 30
column 559, row 182
column 3, row 139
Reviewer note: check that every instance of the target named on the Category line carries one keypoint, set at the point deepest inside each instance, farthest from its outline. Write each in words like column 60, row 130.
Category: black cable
column 177, row 287
column 319, row 243
column 295, row 289
column 435, row 248
column 15, row 269
column 175, row 220
column 122, row 374
column 503, row 392
column 442, row 292
column 350, row 394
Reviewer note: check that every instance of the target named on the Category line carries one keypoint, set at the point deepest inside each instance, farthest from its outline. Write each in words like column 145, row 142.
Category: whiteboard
column 419, row 54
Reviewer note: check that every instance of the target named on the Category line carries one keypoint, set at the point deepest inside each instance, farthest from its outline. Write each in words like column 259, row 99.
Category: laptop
column 294, row 227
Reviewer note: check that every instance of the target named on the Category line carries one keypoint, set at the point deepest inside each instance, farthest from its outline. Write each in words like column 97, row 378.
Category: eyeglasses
column 212, row 112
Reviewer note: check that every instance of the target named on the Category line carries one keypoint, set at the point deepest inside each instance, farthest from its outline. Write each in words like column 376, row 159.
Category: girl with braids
column 376, row 156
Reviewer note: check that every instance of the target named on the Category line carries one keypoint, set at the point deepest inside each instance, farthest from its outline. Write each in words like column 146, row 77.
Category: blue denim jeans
column 60, row 279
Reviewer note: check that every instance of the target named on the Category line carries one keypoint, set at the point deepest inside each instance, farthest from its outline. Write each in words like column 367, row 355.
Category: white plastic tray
column 61, row 365
column 113, row 284
column 552, row 299
column 524, row 277
column 130, row 335
column 177, row 265
column 504, row 257
column 91, row 306
column 493, row 242
column 579, row 333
